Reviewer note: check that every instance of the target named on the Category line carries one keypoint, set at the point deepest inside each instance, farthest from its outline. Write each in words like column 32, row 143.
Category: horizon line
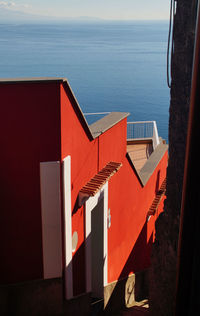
column 80, row 19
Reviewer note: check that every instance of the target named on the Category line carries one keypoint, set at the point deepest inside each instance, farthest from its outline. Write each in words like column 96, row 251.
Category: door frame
column 90, row 204
column 67, row 218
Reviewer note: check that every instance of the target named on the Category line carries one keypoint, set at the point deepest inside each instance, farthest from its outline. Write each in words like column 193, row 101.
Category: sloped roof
column 108, row 121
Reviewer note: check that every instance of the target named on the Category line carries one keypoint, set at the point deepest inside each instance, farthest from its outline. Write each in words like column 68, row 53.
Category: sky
column 104, row 9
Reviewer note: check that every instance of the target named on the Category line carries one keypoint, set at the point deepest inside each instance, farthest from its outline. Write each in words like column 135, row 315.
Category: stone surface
column 126, row 293
column 164, row 256
column 41, row 298
column 140, row 310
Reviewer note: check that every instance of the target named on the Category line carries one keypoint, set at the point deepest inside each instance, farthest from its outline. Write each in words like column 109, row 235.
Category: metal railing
column 143, row 130
column 135, row 130
column 97, row 113
column 93, row 117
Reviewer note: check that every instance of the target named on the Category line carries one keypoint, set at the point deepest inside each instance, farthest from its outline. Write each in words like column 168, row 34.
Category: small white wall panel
column 67, row 226
column 51, row 219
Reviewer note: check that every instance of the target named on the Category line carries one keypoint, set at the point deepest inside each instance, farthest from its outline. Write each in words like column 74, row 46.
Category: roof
column 108, row 121
column 31, row 80
column 94, row 130
column 97, row 182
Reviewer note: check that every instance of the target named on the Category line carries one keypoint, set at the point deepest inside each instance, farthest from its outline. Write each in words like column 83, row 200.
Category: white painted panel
column 67, row 226
column 88, row 244
column 105, row 270
column 51, row 219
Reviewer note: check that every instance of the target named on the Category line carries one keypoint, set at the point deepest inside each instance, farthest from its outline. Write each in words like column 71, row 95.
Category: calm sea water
column 111, row 66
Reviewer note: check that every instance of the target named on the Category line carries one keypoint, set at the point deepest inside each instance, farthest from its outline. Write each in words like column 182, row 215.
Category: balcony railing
column 139, row 130
column 143, row 130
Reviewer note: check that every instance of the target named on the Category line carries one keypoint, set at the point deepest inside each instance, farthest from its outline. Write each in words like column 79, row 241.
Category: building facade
column 77, row 212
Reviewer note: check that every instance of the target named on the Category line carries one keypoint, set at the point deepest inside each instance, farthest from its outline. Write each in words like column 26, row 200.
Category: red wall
column 112, row 144
column 130, row 236
column 41, row 122
column 29, row 120
column 75, row 142
column 84, row 165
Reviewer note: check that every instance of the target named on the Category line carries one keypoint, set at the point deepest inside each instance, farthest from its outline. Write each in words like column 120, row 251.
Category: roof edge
column 150, row 165
column 107, row 122
column 77, row 108
column 147, row 170
column 31, row 80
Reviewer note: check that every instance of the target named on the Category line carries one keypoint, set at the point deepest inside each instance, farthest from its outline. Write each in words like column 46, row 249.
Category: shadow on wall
column 126, row 289
column 134, row 288
column 157, row 182
column 132, row 284
column 78, row 268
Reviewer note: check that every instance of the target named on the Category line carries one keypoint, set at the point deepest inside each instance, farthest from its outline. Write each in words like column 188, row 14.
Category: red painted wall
column 75, row 142
column 130, row 236
column 84, row 165
column 41, row 122
column 29, row 120
column 112, row 144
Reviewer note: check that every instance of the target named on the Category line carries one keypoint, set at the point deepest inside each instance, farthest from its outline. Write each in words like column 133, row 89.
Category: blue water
column 111, row 66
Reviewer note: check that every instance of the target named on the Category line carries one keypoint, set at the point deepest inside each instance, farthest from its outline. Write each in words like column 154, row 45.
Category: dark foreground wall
column 164, row 257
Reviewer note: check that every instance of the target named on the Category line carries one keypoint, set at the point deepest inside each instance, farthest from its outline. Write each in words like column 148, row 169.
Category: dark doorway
column 97, row 241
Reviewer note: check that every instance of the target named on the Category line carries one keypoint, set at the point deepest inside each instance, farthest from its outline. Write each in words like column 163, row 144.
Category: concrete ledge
column 150, row 165
column 147, row 170
column 139, row 141
column 31, row 80
column 106, row 123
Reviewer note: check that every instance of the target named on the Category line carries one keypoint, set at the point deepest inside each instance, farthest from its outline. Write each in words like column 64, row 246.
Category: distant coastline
column 13, row 16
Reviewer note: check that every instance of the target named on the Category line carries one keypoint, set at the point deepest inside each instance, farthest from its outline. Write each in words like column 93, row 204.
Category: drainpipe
column 188, row 276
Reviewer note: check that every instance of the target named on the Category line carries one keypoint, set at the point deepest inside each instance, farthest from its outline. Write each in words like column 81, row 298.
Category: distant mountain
column 87, row 18
column 9, row 16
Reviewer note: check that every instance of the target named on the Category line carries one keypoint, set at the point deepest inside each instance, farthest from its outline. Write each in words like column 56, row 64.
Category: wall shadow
column 136, row 288
column 126, row 288
column 78, row 270
column 157, row 182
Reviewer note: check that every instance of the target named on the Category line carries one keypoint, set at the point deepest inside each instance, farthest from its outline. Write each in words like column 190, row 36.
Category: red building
column 78, row 202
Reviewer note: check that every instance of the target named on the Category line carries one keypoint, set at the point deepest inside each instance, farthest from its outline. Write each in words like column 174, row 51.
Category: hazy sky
column 107, row 9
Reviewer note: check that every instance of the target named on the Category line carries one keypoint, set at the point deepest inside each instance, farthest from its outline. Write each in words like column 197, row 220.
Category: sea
column 110, row 65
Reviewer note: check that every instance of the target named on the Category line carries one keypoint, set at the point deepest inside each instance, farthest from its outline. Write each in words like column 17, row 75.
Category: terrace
column 142, row 140
column 144, row 146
